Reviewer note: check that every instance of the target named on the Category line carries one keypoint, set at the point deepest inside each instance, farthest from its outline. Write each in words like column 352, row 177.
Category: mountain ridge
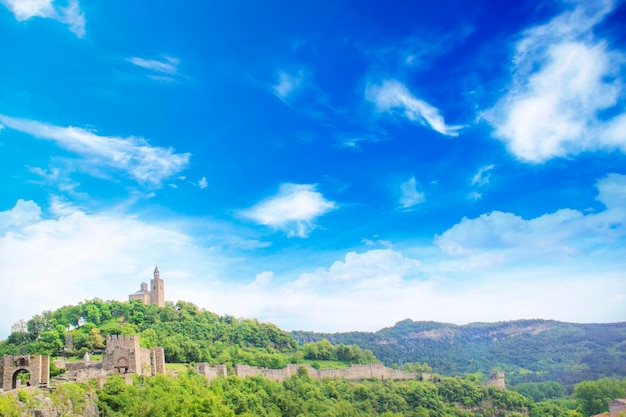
column 528, row 350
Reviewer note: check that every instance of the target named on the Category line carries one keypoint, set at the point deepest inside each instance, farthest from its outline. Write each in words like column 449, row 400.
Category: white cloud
column 566, row 233
column 169, row 65
column 293, row 210
column 203, row 183
column 353, row 141
column 71, row 15
column 145, row 163
column 23, row 214
column 392, row 96
column 163, row 70
column 483, row 175
column 288, row 84
column 25, row 9
column 374, row 289
column 495, row 267
column 69, row 255
column 411, row 194
column 377, row 242
column 563, row 79
column 474, row 196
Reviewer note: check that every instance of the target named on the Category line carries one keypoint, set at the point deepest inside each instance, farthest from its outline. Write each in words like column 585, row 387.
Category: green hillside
column 187, row 334
column 528, row 350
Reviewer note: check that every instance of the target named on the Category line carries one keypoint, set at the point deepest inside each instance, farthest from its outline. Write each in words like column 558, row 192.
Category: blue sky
column 324, row 167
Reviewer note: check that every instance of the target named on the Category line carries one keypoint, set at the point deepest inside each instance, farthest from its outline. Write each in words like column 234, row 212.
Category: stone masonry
column 355, row 372
column 155, row 294
column 11, row 366
column 496, row 379
column 124, row 355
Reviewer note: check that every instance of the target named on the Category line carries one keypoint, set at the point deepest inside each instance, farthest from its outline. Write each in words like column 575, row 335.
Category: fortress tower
column 155, row 294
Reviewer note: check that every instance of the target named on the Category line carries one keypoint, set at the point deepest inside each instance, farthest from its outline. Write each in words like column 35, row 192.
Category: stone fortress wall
column 355, row 372
column 37, row 365
column 496, row 379
column 123, row 355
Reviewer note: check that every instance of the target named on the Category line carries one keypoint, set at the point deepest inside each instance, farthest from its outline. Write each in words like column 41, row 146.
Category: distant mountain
column 527, row 350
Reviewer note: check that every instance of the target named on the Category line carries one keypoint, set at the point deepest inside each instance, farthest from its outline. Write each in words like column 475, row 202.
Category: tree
column 594, row 396
column 95, row 339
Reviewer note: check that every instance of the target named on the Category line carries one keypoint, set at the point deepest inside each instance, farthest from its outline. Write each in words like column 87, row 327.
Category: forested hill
column 187, row 334
column 528, row 350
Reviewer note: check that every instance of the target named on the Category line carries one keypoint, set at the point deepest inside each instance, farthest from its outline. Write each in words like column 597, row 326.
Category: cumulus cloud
column 67, row 255
column 393, row 96
column 410, row 194
column 23, row 214
column 203, row 183
column 566, row 233
column 563, row 80
column 294, row 209
column 145, row 163
column 71, row 15
column 498, row 266
column 376, row 288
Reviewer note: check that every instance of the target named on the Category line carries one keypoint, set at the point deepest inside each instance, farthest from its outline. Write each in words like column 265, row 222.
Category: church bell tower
column 157, row 290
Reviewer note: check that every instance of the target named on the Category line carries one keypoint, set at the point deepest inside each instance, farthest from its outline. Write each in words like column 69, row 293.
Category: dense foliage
column 528, row 350
column 191, row 395
column 187, row 334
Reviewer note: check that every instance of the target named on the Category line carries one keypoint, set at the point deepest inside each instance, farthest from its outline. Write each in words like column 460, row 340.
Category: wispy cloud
column 411, row 194
column 563, row 80
column 288, row 84
column 168, row 65
column 393, row 96
column 354, row 141
column 482, row 177
column 56, row 175
column 203, row 183
column 419, row 51
column 145, row 163
column 70, row 15
column 165, row 69
column 294, row 209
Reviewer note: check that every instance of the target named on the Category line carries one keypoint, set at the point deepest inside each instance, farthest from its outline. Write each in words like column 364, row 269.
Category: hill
column 527, row 350
column 186, row 333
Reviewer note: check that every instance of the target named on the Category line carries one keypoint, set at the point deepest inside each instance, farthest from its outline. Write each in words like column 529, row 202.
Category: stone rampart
column 37, row 365
column 496, row 379
column 355, row 372
column 157, row 360
column 211, row 372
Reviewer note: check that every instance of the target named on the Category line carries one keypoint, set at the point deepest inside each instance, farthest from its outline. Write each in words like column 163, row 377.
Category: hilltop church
column 154, row 295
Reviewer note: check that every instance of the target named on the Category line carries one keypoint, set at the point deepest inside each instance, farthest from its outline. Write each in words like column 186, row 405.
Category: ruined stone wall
column 616, row 407
column 122, row 354
column 211, row 372
column 355, row 372
column 496, row 379
column 76, row 366
column 37, row 365
column 157, row 360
